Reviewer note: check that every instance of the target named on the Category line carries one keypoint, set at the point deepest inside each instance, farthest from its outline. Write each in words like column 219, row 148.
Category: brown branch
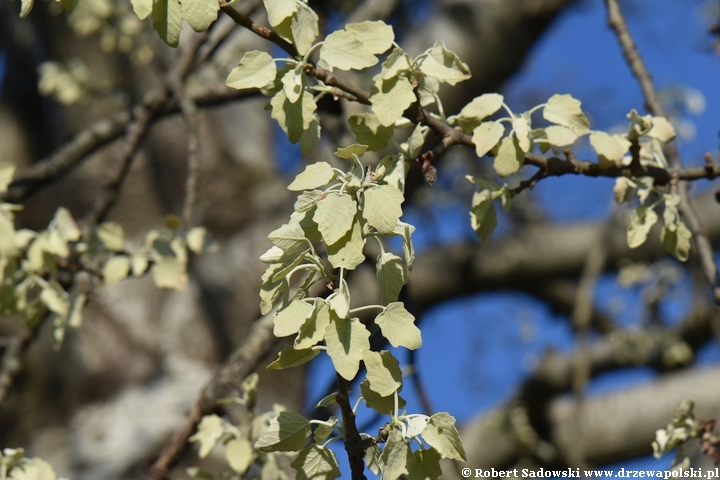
column 354, row 445
column 418, row 384
column 260, row 30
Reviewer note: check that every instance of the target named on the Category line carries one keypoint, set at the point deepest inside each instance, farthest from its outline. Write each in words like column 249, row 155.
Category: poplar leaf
column 671, row 216
column 7, row 170
column 373, row 459
column 350, row 151
column 383, row 372
column 112, row 235
column 565, row 110
column 209, row 432
column 346, row 341
column 294, row 84
column 427, row 88
column 394, row 456
column 444, row 65
column 239, row 454
column 304, row 27
column 483, row 216
column 289, row 320
column 641, row 221
column 142, row 8
column 55, row 299
column 415, row 427
column 25, row 9
column 339, row 302
column 270, row 289
column 348, row 251
column 291, row 357
column 415, row 142
column 661, row 129
column 327, row 400
column 391, row 276
column 323, row 431
column 200, row 14
column 478, row 109
column 255, row 70
column 397, row 62
column 398, row 326
column 677, row 241
column 559, row 136
column 65, row 225
column 424, row 464
column 377, row 37
column 76, row 308
column 167, row 20
column 392, row 170
column 381, row 207
column 307, row 200
column 369, row 131
column 441, row 434
column 115, row 270
column 521, row 127
column 382, row 405
column 313, row 330
column 279, row 10
column 170, row 272
column 610, row 149
column 405, row 231
column 334, row 216
column 69, row 5
column 509, row 158
column 293, row 118
column 290, row 237
column 288, row 432
column 315, row 175
column 390, row 98
column 310, row 137
column 341, row 49
column 316, row 463
column 33, row 469
column 486, row 136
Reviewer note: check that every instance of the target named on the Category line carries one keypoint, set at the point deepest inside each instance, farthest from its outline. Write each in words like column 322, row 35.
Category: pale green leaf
column 115, row 270
column 415, row 426
column 339, row 301
column 641, row 221
column 394, row 456
column 347, row 252
column 677, row 242
column 444, row 65
column 381, row 207
column 521, row 128
column 483, row 217
column 376, row 37
column 200, row 14
column 509, row 158
column 315, row 175
column 239, row 454
column 406, row 230
column 369, row 131
column 197, row 472
column 290, row 357
column 391, row 276
column 65, row 225
column 76, row 307
column 351, row 150
column 661, row 129
column 288, row 432
column 334, row 216
column 26, row 8
column 373, row 459
column 139, row 264
column 559, row 136
column 341, row 49
column 209, row 432
column 294, row 83
column 382, row 405
column 424, row 465
column 69, row 5
column 7, row 170
column 327, row 400
column 357, row 173
column 198, row 240
column 427, row 88
column 289, row 320
column 290, row 237
column 316, row 463
column 346, row 342
column 55, row 299
column 293, row 118
column 313, row 330
column 671, row 216
column 398, row 326
column 415, row 142
column 8, row 243
column 610, row 148
column 167, row 20
column 396, row 63
column 310, row 137
column 478, row 109
column 279, row 10
column 565, row 110
column 383, row 372
column 170, row 272
column 33, row 469
column 271, row 289
column 390, row 98
column 323, row 431
column 284, row 29
column 624, row 189
column 392, row 170
column 112, row 235
column 441, row 434
column 255, row 70
column 142, row 8
column 304, row 27
column 486, row 136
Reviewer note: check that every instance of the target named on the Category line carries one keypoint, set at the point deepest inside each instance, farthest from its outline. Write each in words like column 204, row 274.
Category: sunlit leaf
column 444, row 65
column 394, row 456
column 390, row 98
column 383, row 372
column 341, row 49
column 376, row 36
column 290, row 357
column 334, row 216
column 239, row 454
column 381, row 207
column 316, row 463
column 116, row 269
column 209, row 432
column 288, row 432
column 304, row 27
column 289, row 320
column 509, row 158
column 398, row 326
column 391, row 276
column 565, row 110
column 200, row 14
column 315, row 175
column 641, row 221
column 441, row 434
column 346, row 342
column 167, row 20
column 348, row 251
column 610, row 148
column 255, row 70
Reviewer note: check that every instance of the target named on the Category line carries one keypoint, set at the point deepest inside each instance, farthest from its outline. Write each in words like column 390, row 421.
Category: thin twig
column 418, row 384
column 354, row 445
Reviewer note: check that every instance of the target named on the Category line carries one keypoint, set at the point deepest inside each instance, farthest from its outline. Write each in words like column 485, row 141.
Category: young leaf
column 112, row 235
column 255, row 70
column 339, row 302
column 26, row 8
column 294, row 83
column 346, row 341
column 478, row 109
column 316, row 463
column 200, row 14
column 313, row 330
column 304, row 27
column 381, row 207
column 391, row 276
column 239, row 454
column 390, row 98
column 398, row 326
column 209, row 432
column 369, row 131
column 444, row 65
column 641, row 221
column 167, row 20
column 415, row 142
column 397, row 62
column 334, row 216
column 509, row 158
column 677, row 241
column 486, row 136
column 394, row 456
column 483, row 217
column 383, row 372
column 32, row 469
column 382, row 405
column 56, row 299
column 327, row 400
column 291, row 357
column 441, row 434
column 565, row 110
column 115, row 270
column 376, row 37
column 343, row 50
column 560, row 136
column 348, row 251
column 351, row 151
column 293, row 118
column 521, row 127
column 315, row 175
column 170, row 272
column 392, row 170
column 661, row 129
column 405, row 230
column 279, row 10
column 610, row 149
column 323, row 431
column 289, row 320
column 65, row 225
column 424, row 464
column 287, row 432
column 373, row 459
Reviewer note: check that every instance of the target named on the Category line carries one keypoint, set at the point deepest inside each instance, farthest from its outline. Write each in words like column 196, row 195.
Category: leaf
column 69, row 5
column 509, row 158
column 167, row 20
column 405, row 230
column 316, row 463
column 115, row 270
column 641, row 221
column 369, row 131
column 170, row 272
column 348, row 251
column 677, row 242
column 416, row 141
column 624, row 189
column 289, row 320
column 310, row 137
column 304, row 27
column 559, row 136
column 112, row 235
column 76, row 307
column 521, row 127
column 7, row 170
column 339, row 301
column 394, row 456
column 142, row 8
column 315, row 175
column 294, row 83
column 565, row 110
column 382, row 405
column 478, row 109
column 255, row 70
column 377, row 37
column 441, row 434
column 279, row 10
column 610, row 149
column 327, row 400
column 391, row 276
column 483, row 217
column 398, row 326
column 390, row 98
column 209, row 432
column 381, row 207
column 291, row 357
column 198, row 240
column 323, row 431
column 33, row 469
column 293, row 118
column 392, row 170
column 65, row 225
column 671, row 216
column 424, row 464
column 55, row 299
column 290, row 237
column 346, row 342
column 350, row 151
column 444, row 65
column 396, row 63
column 200, row 14
column 313, row 330
column 239, row 454
column 383, row 372
column 373, row 459
column 341, row 49
column 25, row 11
column 661, row 129
column 415, row 426
column 271, row 289
column 287, row 432
column 334, row 216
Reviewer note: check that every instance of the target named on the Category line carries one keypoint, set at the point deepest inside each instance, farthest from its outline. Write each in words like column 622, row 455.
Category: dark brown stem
column 354, row 445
